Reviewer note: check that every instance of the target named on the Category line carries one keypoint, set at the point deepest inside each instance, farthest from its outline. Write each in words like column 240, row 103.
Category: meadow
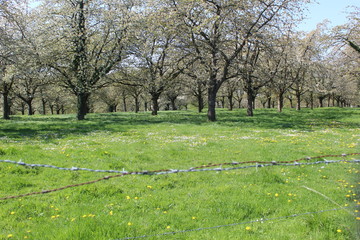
column 292, row 201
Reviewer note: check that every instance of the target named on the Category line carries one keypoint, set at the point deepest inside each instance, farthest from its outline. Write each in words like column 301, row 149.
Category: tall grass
column 133, row 206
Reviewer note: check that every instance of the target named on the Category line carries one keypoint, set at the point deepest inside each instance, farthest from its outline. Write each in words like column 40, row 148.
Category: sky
column 333, row 10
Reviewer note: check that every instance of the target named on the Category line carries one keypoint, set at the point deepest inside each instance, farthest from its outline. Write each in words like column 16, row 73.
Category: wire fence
column 168, row 170
column 218, row 167
column 261, row 220
column 210, row 167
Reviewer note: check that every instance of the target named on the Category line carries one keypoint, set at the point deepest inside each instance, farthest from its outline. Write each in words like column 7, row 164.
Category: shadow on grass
column 60, row 126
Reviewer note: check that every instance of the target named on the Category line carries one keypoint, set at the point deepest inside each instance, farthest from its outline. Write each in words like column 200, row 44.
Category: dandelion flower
column 168, row 227
column 12, row 213
column 129, row 224
column 358, row 218
column 150, row 187
column 339, row 230
column 10, row 235
column 111, row 213
column 248, row 228
column 165, row 212
column 136, row 198
column 276, row 195
column 193, row 218
column 128, row 197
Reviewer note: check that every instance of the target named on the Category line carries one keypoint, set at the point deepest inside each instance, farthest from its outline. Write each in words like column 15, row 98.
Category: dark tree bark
column 212, row 92
column 280, row 101
column 6, row 106
column 155, row 102
column 82, row 105
column 250, row 103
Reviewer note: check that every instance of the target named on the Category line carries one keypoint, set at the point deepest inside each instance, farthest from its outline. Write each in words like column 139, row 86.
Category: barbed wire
column 165, row 170
column 261, row 220
column 170, row 171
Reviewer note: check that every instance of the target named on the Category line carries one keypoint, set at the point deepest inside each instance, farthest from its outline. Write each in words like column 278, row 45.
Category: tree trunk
column 212, row 91
column 200, row 102
column 82, row 105
column 250, row 103
column 137, row 104
column 6, row 106
column 43, row 102
column 280, row 101
column 30, row 107
column 51, row 109
column 269, row 102
column 155, row 103
column 231, row 102
column 124, row 103
column 172, row 103
column 291, row 103
column 239, row 102
column 321, row 102
column 298, row 101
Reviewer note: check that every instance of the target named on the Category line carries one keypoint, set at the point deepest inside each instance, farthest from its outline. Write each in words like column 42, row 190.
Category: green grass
column 133, row 206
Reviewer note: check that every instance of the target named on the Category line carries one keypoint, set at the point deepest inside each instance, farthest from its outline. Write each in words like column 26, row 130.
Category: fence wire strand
column 261, row 220
column 218, row 168
column 21, row 163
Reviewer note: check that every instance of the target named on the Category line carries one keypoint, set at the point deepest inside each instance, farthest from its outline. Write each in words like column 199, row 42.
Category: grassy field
column 151, row 205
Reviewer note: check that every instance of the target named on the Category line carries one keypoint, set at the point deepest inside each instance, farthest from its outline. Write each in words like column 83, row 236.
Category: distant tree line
column 65, row 56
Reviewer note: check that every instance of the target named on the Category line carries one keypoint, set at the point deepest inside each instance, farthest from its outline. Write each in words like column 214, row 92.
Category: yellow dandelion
column 12, row 213
column 348, row 196
column 52, row 217
column 128, row 197
column 165, row 212
column 276, row 195
column 289, row 201
column 129, row 223
column 357, row 218
column 248, row 228
column 84, row 216
column 111, row 213
column 168, row 227
column 136, row 198
column 10, row 235
column 339, row 230
column 26, row 237
column 73, row 219
column 28, row 231
column 193, row 218
column 148, row 186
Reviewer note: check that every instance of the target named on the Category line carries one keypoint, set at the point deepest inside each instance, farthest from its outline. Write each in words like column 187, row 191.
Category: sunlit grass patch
column 132, row 206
